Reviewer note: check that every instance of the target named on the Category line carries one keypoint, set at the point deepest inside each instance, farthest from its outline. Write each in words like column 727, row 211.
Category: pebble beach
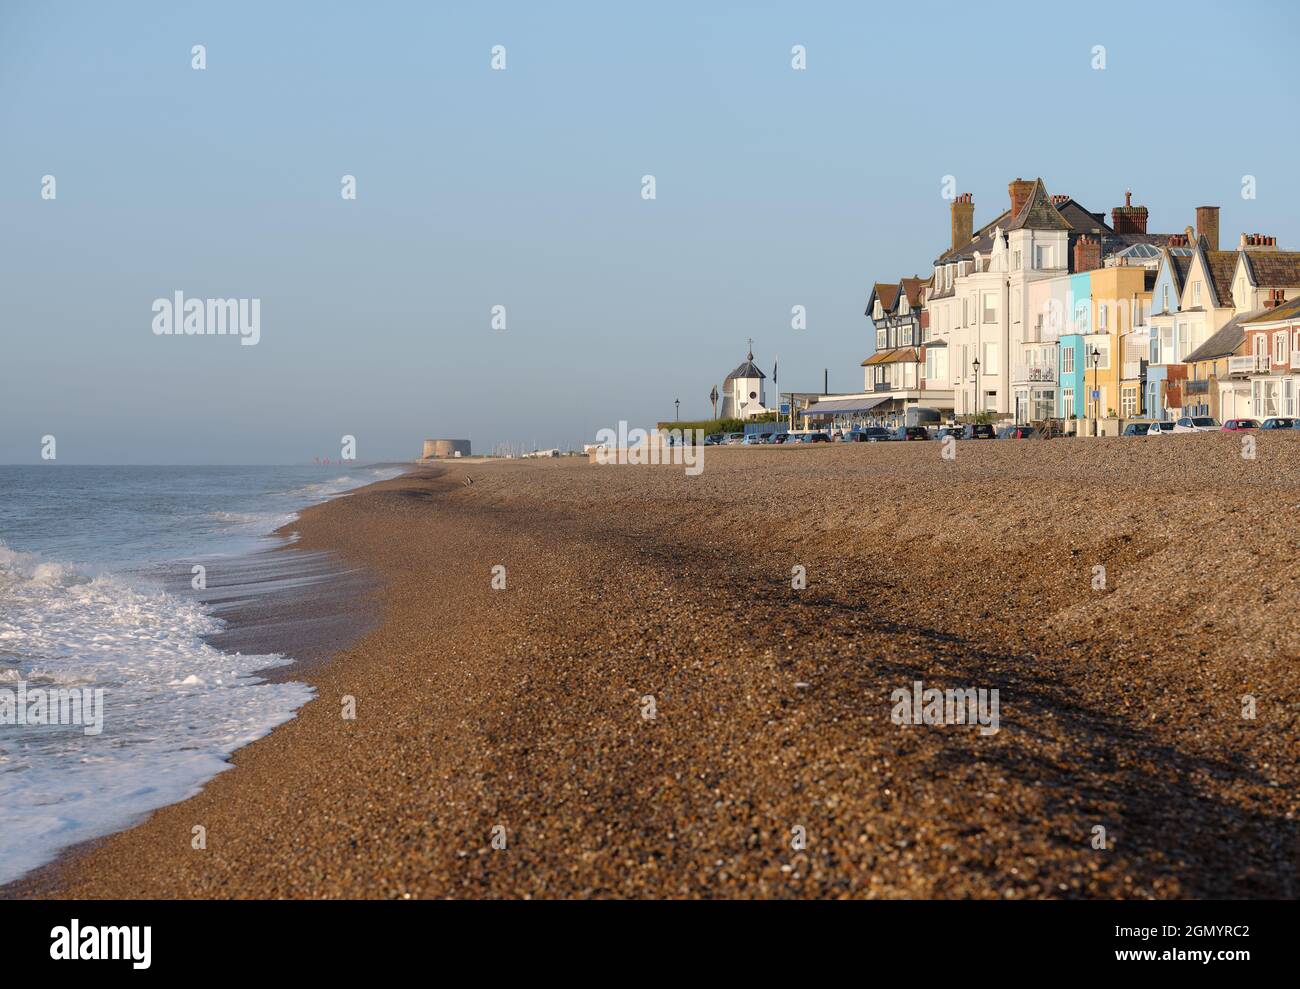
column 656, row 705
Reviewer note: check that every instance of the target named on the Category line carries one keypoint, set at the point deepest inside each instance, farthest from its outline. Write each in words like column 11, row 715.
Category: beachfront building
column 1086, row 368
column 1206, row 304
column 1238, row 370
column 1035, row 373
column 1215, row 384
column 1165, row 371
column 742, row 391
column 983, row 304
column 1264, row 277
column 1121, row 306
column 908, row 369
column 1271, row 357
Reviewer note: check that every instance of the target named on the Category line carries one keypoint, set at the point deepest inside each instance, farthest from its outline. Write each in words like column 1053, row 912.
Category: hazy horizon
column 521, row 188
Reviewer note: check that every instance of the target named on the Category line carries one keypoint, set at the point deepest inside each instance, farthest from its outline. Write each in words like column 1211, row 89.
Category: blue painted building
column 1073, row 358
column 1073, row 355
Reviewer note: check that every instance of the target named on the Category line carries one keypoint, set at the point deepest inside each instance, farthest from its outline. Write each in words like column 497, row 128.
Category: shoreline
column 524, row 708
column 280, row 599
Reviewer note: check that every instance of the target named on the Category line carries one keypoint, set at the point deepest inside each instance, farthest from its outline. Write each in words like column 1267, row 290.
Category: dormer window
column 1196, row 293
column 879, row 311
column 1164, row 305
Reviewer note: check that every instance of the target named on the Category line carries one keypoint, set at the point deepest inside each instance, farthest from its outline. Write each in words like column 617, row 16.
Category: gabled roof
column 1272, row 269
column 1219, row 268
column 1278, row 314
column 1224, row 343
column 1179, row 264
column 1038, row 213
column 885, row 293
column 911, row 287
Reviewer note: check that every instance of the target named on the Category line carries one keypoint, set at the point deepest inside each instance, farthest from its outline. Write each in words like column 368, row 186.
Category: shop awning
column 838, row 406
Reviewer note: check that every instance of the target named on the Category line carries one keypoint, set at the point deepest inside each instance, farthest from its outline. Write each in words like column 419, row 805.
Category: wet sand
column 522, row 712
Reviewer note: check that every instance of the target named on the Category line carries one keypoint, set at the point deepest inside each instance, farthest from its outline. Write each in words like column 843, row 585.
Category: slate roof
column 1219, row 267
column 746, row 370
column 1046, row 212
column 1038, row 213
column 1273, row 269
column 1224, row 343
column 1182, row 263
column 1278, row 314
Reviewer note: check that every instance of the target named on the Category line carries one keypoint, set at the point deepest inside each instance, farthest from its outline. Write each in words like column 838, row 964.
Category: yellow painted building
column 1121, row 303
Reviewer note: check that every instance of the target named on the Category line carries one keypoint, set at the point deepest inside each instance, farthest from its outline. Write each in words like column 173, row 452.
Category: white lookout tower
column 742, row 390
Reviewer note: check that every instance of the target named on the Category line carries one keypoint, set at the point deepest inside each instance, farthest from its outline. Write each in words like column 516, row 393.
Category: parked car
column 1237, row 425
column 752, row 439
column 911, row 433
column 943, row 432
column 1196, row 424
column 817, row 438
column 1279, row 422
column 734, row 439
column 1016, row 433
column 714, row 439
column 1161, row 428
column 1137, row 428
column 978, row 431
column 870, row 434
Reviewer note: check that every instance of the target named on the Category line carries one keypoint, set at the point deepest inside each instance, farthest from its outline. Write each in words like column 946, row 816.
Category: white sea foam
column 174, row 707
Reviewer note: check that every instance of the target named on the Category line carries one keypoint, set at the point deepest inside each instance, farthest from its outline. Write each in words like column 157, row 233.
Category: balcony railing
column 1022, row 373
column 1249, row 364
column 1196, row 387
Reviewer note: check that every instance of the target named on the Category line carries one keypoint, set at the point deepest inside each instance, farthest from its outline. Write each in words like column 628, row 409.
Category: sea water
column 83, row 606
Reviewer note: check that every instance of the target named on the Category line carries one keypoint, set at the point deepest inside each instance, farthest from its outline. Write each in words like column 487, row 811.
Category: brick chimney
column 1129, row 219
column 1207, row 225
column 1179, row 240
column 1087, row 254
column 963, row 220
column 1020, row 191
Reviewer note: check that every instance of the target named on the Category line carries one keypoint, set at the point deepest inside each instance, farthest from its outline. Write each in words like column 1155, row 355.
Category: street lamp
column 976, row 365
column 677, row 405
column 1096, row 396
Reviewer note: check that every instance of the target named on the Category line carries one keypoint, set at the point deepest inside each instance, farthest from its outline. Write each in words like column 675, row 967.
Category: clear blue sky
column 522, row 188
